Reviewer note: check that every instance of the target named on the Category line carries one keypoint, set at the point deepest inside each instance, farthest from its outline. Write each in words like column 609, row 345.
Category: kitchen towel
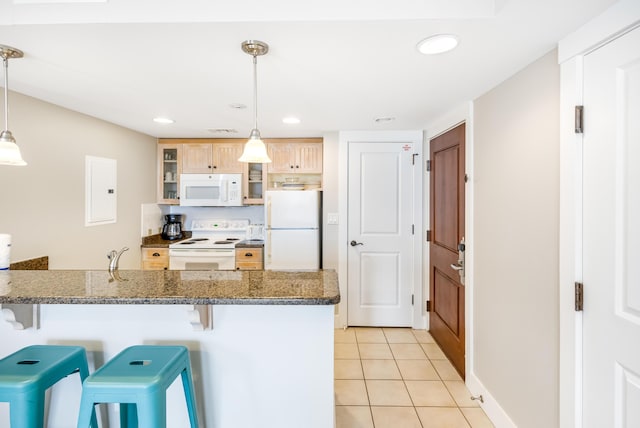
column 5, row 251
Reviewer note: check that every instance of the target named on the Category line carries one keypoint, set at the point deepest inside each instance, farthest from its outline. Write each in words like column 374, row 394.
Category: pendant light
column 254, row 150
column 9, row 151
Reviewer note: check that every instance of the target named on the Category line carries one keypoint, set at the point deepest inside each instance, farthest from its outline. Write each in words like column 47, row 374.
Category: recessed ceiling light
column 439, row 43
column 291, row 120
column 163, row 120
column 237, row 106
column 384, row 119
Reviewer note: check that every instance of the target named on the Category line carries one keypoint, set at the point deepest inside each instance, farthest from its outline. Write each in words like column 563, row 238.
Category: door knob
column 354, row 243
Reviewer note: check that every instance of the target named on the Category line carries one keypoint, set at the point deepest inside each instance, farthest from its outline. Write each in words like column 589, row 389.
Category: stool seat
column 138, row 378
column 26, row 374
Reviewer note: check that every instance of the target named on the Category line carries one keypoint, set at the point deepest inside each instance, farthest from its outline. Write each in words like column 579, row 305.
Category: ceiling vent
column 223, row 130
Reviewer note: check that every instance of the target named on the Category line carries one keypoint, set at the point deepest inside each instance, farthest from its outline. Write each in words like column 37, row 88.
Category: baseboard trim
column 498, row 416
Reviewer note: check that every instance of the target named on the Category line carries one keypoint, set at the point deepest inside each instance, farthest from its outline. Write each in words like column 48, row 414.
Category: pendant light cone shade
column 254, row 149
column 9, row 151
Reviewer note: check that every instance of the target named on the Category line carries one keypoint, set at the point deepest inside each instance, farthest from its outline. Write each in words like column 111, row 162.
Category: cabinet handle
column 214, row 167
column 291, row 167
column 248, row 254
column 156, row 254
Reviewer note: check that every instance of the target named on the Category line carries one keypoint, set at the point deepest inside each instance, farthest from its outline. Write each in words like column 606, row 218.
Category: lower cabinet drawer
column 155, row 258
column 249, row 259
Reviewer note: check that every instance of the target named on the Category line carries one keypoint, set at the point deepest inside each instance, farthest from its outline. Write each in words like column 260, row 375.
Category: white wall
column 330, row 148
column 516, row 190
column 42, row 204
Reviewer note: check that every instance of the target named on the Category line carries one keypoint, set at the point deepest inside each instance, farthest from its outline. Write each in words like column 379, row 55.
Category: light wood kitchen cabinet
column 298, row 157
column 169, row 169
column 249, row 259
column 254, row 183
column 205, row 158
column 155, row 258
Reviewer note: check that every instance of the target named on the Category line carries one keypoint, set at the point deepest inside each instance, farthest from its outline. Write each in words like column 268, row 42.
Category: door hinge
column 428, row 236
column 579, row 119
column 412, row 300
column 413, row 229
column 428, row 305
column 413, row 158
column 429, row 165
column 466, row 178
column 579, row 299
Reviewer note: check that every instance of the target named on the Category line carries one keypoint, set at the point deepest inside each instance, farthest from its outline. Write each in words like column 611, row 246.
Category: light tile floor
column 399, row 378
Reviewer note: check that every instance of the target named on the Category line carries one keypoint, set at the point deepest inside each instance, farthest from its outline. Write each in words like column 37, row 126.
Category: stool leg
column 84, row 373
column 189, row 394
column 87, row 414
column 27, row 411
column 152, row 410
column 128, row 415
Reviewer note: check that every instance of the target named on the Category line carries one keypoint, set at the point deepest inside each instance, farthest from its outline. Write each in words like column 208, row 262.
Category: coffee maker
column 172, row 228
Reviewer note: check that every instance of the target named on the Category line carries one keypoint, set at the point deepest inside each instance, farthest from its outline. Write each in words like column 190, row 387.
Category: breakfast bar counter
column 169, row 287
column 260, row 342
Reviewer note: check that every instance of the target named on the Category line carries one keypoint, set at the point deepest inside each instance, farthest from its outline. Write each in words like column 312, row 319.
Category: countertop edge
column 170, row 301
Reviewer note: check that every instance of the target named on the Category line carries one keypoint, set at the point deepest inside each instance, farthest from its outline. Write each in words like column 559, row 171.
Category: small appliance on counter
column 255, row 232
column 172, row 228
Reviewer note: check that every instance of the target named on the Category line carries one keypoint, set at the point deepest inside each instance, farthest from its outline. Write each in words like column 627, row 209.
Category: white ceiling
column 335, row 64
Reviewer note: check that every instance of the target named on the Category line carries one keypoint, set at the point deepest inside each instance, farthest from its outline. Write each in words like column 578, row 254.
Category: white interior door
column 380, row 257
column 611, row 235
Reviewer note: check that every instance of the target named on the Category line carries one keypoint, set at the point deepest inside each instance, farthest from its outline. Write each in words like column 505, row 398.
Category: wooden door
column 610, row 235
column 225, row 158
column 196, row 158
column 446, row 290
column 381, row 257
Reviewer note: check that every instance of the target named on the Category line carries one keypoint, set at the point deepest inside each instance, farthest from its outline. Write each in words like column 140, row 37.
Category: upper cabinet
column 295, row 157
column 297, row 160
column 254, row 183
column 219, row 158
column 169, row 169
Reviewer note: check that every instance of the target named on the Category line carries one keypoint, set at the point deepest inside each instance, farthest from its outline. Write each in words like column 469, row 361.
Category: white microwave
column 211, row 190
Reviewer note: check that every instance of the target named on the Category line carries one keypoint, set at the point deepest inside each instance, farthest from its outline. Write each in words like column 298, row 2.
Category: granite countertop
column 169, row 287
column 250, row 243
column 156, row 241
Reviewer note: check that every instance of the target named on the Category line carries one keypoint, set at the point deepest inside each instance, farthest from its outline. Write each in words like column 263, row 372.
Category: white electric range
column 211, row 246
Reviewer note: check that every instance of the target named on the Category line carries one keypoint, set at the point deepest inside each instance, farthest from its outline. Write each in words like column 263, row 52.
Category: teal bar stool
column 137, row 378
column 26, row 374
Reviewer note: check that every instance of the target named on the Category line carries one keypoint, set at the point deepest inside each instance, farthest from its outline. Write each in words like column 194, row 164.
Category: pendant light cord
column 5, row 61
column 255, row 92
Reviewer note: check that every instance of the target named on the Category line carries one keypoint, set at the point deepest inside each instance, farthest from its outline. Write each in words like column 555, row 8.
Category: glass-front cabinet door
column 169, row 170
column 255, row 183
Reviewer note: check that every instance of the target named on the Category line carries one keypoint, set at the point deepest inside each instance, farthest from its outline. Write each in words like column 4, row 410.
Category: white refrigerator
column 292, row 227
